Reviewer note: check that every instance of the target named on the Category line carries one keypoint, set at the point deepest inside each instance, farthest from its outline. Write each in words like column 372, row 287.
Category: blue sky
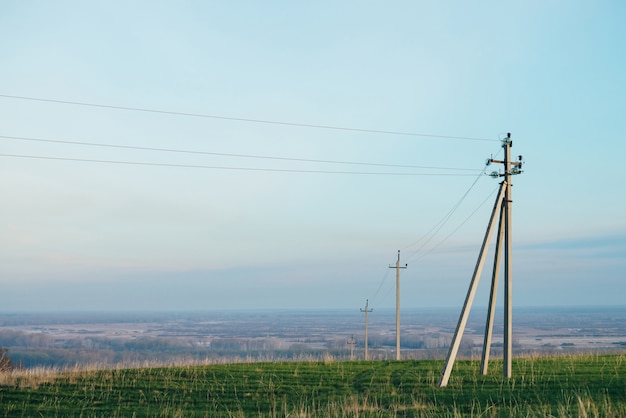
column 80, row 235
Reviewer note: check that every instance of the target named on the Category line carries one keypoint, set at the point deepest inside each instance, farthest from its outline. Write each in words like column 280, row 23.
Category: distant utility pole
column 366, row 337
column 502, row 206
column 398, row 267
column 351, row 343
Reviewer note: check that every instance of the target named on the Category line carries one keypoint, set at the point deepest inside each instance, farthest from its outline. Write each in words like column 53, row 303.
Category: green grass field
column 564, row 386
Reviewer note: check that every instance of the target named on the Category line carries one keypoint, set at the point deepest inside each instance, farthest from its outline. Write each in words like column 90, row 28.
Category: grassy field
column 564, row 386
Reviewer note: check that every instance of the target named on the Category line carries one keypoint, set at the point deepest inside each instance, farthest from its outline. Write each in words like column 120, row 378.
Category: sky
column 277, row 154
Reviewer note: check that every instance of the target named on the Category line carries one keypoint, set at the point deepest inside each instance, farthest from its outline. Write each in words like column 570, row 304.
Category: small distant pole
column 366, row 336
column 351, row 343
column 398, row 267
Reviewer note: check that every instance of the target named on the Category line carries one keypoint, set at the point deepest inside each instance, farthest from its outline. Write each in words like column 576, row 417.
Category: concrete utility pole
column 398, row 267
column 509, row 169
column 502, row 207
column 351, row 343
column 366, row 336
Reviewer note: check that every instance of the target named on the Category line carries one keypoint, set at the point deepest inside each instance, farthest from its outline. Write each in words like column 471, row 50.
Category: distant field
column 562, row 386
column 57, row 339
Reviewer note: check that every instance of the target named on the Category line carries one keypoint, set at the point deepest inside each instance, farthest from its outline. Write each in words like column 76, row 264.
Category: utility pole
column 502, row 207
column 398, row 267
column 351, row 343
column 366, row 337
column 508, row 271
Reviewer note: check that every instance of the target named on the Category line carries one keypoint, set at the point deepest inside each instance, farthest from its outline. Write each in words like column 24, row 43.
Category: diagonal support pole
column 471, row 292
column 484, row 363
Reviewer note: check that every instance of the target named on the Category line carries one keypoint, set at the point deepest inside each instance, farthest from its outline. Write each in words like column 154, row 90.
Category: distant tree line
column 28, row 349
column 37, row 349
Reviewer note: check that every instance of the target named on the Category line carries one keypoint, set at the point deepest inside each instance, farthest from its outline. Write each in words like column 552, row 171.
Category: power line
column 458, row 227
column 55, row 141
column 382, row 282
column 236, row 119
column 439, row 225
column 226, row 167
column 430, row 234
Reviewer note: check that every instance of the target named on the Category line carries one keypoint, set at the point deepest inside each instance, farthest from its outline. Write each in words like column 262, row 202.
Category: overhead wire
column 442, row 222
column 458, row 227
column 429, row 236
column 220, row 154
column 464, row 221
column 277, row 170
column 436, row 228
column 382, row 283
column 238, row 119
column 389, row 290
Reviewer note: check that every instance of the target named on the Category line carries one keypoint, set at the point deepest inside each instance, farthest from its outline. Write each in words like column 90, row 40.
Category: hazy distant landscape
column 567, row 362
column 110, row 338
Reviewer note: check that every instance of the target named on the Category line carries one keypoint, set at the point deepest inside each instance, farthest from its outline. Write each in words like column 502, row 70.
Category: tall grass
column 565, row 386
